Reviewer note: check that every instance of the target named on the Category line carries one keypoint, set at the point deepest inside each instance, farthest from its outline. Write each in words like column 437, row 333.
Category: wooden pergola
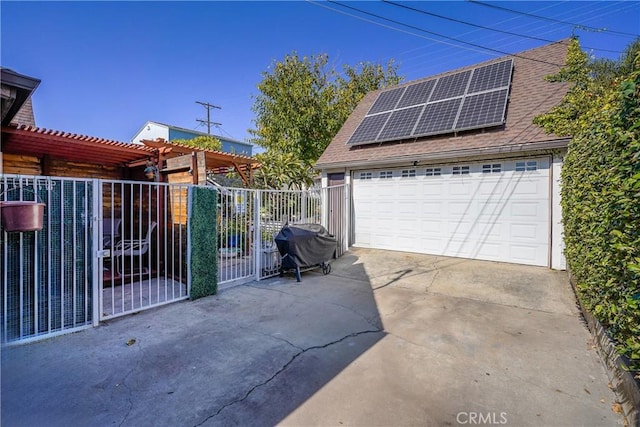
column 30, row 150
column 174, row 157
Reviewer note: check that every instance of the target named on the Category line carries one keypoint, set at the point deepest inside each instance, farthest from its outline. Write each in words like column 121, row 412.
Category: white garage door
column 496, row 210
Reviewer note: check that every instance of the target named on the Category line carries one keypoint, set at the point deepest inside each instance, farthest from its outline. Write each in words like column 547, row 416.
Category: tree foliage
column 601, row 189
column 303, row 103
column 282, row 170
column 207, row 142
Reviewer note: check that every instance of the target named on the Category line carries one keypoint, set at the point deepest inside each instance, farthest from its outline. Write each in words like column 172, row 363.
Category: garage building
column 453, row 165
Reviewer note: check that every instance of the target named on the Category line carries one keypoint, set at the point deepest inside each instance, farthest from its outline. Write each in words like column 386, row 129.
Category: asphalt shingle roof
column 530, row 96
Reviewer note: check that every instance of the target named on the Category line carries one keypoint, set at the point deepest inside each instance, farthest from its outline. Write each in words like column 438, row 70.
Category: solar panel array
column 470, row 99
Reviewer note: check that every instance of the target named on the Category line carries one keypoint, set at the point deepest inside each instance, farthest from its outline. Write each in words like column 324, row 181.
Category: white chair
column 132, row 248
column 110, row 231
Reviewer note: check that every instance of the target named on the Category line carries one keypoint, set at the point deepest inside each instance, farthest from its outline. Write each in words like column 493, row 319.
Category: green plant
column 204, row 251
column 601, row 193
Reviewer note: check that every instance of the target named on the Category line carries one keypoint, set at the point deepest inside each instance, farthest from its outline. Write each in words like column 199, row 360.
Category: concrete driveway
column 385, row 339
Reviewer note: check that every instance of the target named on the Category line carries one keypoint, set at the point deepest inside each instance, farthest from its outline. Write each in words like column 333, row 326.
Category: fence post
column 187, row 222
column 97, row 263
column 257, row 236
column 347, row 216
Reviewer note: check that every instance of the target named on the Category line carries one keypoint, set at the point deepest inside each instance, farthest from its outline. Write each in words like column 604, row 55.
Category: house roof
column 195, row 132
column 21, row 88
column 37, row 142
column 530, row 96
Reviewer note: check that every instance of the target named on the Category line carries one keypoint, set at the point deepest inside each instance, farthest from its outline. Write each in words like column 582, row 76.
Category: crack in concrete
column 124, row 383
column 282, row 369
column 275, row 337
column 433, row 279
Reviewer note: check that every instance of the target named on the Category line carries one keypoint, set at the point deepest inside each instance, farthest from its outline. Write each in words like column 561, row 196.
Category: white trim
column 517, row 149
column 558, row 261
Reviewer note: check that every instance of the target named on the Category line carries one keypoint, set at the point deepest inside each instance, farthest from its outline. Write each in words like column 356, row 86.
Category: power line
column 558, row 21
column 442, row 35
column 392, row 28
column 588, row 12
column 482, row 26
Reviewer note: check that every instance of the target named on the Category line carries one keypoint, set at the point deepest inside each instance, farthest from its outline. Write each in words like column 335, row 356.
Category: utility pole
column 208, row 122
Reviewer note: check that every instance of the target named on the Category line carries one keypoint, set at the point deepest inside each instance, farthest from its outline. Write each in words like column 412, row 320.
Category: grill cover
column 305, row 245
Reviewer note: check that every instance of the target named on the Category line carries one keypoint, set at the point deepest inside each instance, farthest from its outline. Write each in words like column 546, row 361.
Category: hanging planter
column 21, row 215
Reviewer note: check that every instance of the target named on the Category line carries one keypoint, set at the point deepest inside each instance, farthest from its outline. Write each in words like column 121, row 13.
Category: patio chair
column 132, row 248
column 110, row 231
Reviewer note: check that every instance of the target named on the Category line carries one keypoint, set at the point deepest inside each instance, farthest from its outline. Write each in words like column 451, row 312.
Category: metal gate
column 248, row 221
column 48, row 275
column 143, row 246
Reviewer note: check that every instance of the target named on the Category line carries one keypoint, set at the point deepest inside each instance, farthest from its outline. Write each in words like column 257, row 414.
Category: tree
column 282, row 170
column 207, row 142
column 302, row 104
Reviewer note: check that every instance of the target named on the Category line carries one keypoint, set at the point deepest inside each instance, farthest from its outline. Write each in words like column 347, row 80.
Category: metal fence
column 249, row 220
column 144, row 229
column 47, row 275
column 109, row 248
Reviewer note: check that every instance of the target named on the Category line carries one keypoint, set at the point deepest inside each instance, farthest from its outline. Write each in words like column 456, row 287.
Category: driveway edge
column 622, row 380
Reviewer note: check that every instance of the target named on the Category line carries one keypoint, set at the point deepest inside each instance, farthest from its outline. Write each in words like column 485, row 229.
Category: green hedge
column 204, row 248
column 601, row 208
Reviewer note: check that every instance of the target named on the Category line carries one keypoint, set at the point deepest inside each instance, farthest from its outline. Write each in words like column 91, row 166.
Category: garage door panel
column 524, row 253
column 492, row 230
column 458, row 247
column 460, row 229
column 492, row 188
column 431, row 228
column 526, row 210
column 490, row 209
column 489, row 251
column 408, row 207
column 383, row 240
column 432, row 208
column 405, row 227
column 407, row 190
column 500, row 215
column 432, row 188
column 462, row 188
column 527, row 188
column 383, row 209
column 459, row 209
column 524, row 232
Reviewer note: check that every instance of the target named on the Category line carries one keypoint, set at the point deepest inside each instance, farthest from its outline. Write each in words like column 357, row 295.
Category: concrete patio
column 385, row 339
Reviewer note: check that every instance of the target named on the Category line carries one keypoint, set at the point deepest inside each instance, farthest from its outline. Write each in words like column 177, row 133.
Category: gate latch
column 104, row 253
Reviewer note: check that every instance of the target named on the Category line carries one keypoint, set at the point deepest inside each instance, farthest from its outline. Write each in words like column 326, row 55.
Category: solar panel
column 470, row 99
column 401, row 123
column 386, row 101
column 484, row 109
column 369, row 128
column 451, row 86
column 417, row 94
column 491, row 76
column 438, row 117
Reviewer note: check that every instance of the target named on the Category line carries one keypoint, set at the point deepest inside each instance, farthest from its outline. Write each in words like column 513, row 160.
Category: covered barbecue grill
column 305, row 246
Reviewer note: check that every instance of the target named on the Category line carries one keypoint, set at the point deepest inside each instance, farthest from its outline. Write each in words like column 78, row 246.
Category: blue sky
column 108, row 67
